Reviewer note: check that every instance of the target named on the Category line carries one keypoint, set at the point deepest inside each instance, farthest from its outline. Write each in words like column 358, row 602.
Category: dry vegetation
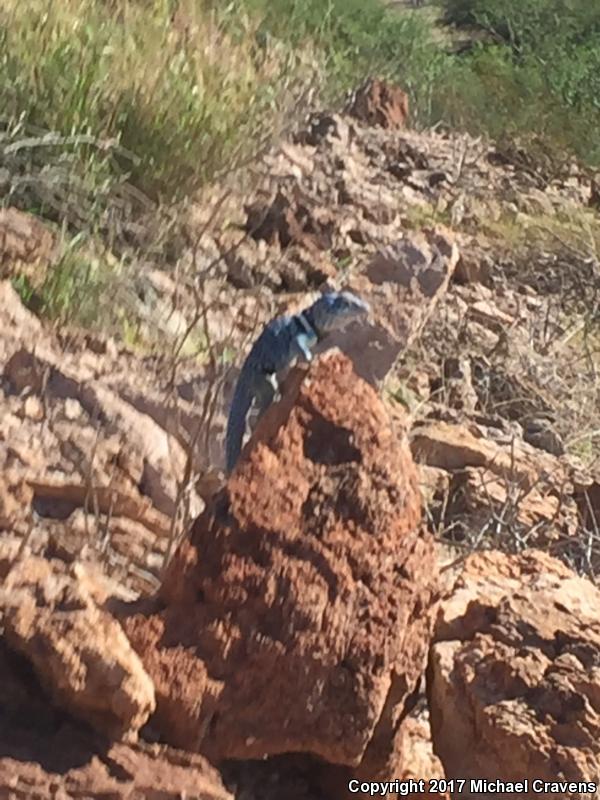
column 169, row 182
column 120, row 118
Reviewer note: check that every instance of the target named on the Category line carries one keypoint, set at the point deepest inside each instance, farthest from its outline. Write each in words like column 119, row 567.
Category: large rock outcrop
column 515, row 673
column 297, row 617
column 82, row 468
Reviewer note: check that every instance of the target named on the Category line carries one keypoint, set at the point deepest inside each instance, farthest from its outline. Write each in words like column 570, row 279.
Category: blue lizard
column 281, row 343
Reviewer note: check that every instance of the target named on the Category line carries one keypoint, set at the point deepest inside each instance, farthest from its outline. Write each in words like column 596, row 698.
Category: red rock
column 77, row 650
column 44, row 754
column 288, row 221
column 514, row 675
column 297, row 617
column 380, row 103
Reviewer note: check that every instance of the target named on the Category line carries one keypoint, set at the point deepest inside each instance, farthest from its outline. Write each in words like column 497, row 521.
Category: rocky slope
column 165, row 633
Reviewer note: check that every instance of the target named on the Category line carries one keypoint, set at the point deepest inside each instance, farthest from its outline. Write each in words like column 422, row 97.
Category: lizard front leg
column 264, row 392
column 303, row 343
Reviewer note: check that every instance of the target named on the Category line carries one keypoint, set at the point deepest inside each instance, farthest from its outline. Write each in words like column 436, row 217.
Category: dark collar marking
column 307, row 324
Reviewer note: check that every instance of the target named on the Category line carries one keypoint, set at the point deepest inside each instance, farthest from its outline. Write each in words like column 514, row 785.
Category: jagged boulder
column 44, row 753
column 50, row 615
column 297, row 617
column 515, row 674
column 403, row 282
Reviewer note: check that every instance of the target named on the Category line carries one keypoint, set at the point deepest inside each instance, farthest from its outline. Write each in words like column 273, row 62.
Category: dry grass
column 179, row 90
column 113, row 114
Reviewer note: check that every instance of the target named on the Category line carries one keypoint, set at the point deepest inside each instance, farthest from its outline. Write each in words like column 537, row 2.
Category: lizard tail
column 236, row 423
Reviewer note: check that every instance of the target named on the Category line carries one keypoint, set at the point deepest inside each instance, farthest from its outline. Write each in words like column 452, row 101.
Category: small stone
column 379, row 103
column 73, row 408
column 33, row 408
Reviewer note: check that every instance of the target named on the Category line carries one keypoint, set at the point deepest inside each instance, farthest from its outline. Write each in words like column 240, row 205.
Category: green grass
column 111, row 108
column 184, row 95
column 155, row 98
column 536, row 74
column 356, row 39
column 190, row 87
column 81, row 286
column 105, row 102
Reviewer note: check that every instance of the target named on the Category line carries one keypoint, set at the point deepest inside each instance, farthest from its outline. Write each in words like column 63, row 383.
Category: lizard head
column 334, row 310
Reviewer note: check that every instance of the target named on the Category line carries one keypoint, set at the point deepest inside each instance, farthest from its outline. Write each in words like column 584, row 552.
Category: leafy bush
column 534, row 25
column 100, row 99
column 357, row 39
column 537, row 73
column 176, row 90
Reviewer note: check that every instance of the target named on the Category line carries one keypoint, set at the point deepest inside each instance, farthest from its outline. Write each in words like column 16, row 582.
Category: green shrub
column 183, row 96
column 101, row 99
column 357, row 39
column 536, row 75
column 534, row 25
